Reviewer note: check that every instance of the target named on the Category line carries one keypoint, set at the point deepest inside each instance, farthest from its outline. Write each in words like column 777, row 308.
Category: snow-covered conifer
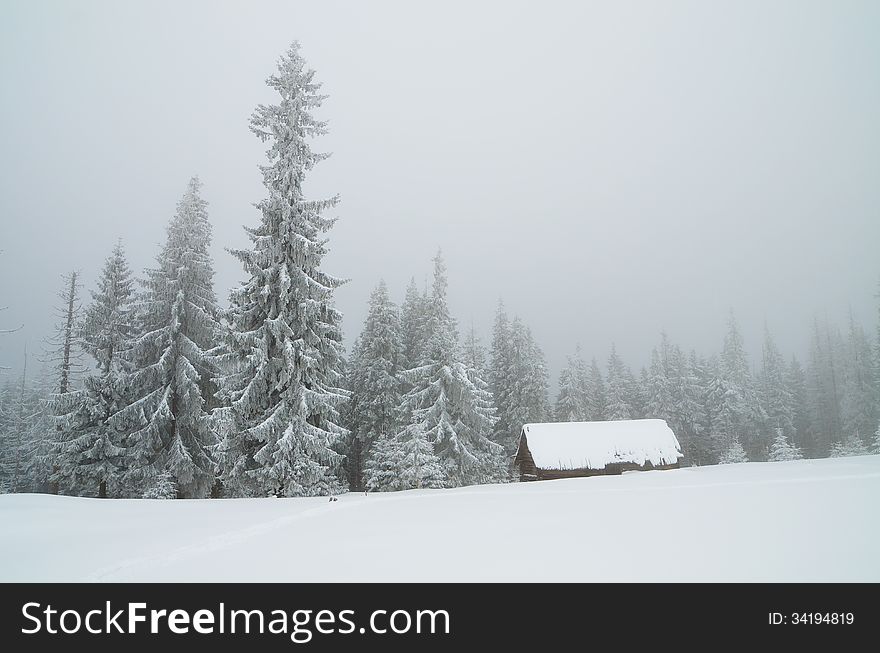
column 527, row 394
column 454, row 413
column 282, row 373
column 742, row 403
column 618, row 389
column 734, row 454
column 413, row 324
column 596, row 393
column 65, row 356
column 775, row 393
column 850, row 446
column 782, row 449
column 172, row 359
column 89, row 451
column 404, row 461
column 374, row 381
column 500, row 379
column 574, row 391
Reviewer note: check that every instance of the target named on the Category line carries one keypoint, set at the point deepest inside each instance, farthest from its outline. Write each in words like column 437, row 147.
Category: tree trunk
column 102, row 490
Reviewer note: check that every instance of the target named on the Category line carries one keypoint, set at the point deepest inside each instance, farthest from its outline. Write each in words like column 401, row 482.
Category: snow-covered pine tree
column 374, row 382
column 455, row 415
column 796, row 386
column 695, row 387
column 824, row 386
column 413, row 323
column 282, row 374
column 527, row 399
column 687, row 408
column 6, row 416
column 851, row 445
column 22, row 411
column 108, row 322
column 638, row 397
column 782, row 449
column 64, row 354
column 89, row 453
column 500, row 380
column 596, row 393
column 474, row 354
column 474, row 359
column 722, row 414
column 618, row 389
column 745, row 415
column 172, row 360
column 38, row 437
column 660, row 386
column 574, row 390
column 875, row 441
column 404, row 461
column 775, row 395
column 733, row 454
column 568, row 405
column 859, row 406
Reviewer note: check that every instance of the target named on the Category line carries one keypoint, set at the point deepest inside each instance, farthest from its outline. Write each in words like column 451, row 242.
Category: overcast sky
column 610, row 169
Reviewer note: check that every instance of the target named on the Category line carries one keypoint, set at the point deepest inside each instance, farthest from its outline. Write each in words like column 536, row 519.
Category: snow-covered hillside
column 795, row 521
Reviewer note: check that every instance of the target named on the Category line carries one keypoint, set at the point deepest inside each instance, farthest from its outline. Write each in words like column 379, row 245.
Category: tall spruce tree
column 824, row 387
column 172, row 361
column 282, row 374
column 741, row 404
column 90, row 453
column 618, row 388
column 413, row 324
column 527, row 399
column 374, row 382
column 776, row 395
column 500, row 378
column 474, row 355
column 64, row 354
column 796, row 385
column 572, row 403
column 859, row 406
column 454, row 414
column 596, row 393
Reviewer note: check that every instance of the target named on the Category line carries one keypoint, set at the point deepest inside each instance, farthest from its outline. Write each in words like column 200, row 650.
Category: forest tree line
column 151, row 389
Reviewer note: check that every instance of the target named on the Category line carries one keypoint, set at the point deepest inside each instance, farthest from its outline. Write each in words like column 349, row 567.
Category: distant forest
column 150, row 389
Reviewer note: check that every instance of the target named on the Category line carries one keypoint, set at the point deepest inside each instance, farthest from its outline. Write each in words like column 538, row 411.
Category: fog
column 608, row 169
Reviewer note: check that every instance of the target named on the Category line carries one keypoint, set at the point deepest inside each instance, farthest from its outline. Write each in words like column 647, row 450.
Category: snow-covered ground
column 814, row 520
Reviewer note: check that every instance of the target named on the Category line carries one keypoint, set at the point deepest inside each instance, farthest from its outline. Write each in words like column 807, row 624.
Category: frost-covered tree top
column 282, row 380
column 618, row 388
column 413, row 324
column 109, row 319
column 734, row 363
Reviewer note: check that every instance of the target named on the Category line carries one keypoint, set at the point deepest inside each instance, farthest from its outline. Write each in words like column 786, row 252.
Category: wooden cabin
column 569, row 449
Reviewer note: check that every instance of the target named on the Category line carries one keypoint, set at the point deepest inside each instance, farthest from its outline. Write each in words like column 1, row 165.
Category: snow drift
column 810, row 520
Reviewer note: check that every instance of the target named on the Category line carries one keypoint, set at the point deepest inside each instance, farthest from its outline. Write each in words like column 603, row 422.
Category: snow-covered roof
column 592, row 445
